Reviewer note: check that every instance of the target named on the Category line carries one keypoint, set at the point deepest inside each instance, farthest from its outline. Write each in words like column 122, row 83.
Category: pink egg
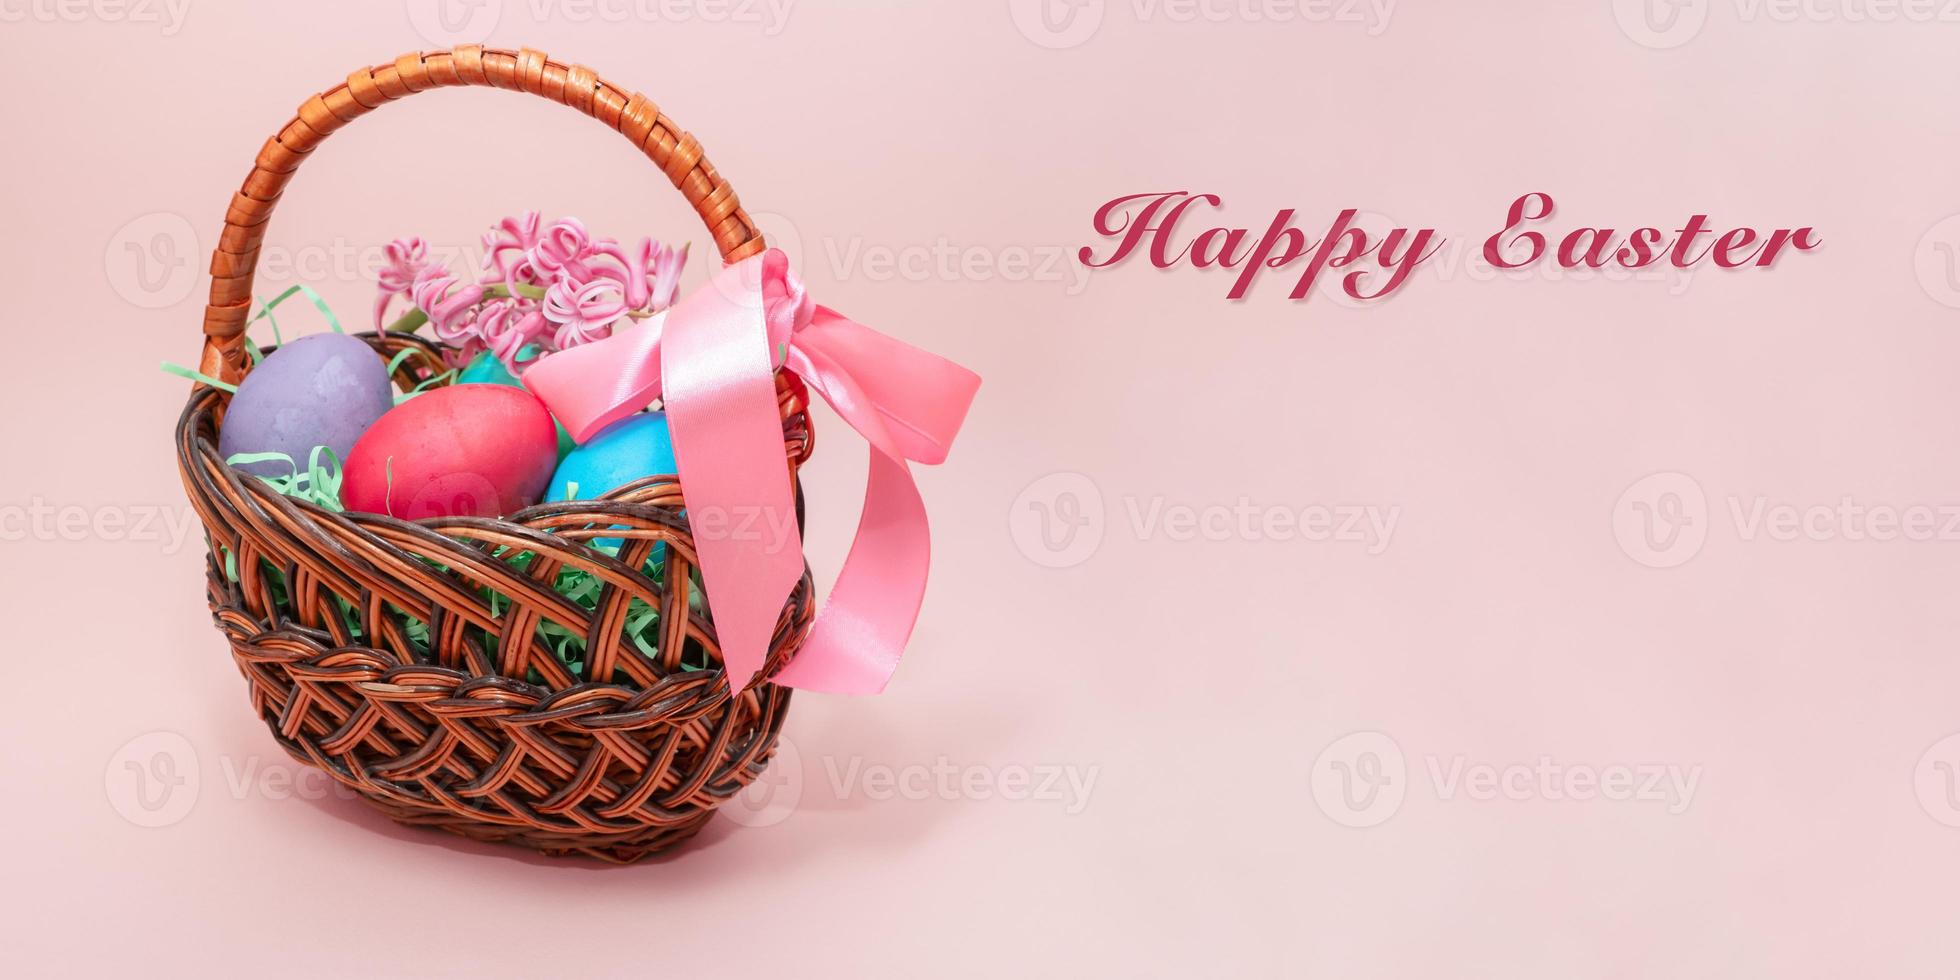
column 475, row 450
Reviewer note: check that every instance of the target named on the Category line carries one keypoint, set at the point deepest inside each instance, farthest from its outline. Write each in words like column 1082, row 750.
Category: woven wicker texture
column 424, row 664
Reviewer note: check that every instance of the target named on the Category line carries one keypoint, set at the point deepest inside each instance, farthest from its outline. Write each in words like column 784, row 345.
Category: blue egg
column 630, row 449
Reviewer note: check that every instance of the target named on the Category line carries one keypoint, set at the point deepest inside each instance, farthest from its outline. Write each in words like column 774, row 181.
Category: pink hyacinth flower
column 650, row 276
column 666, row 271
column 583, row 312
column 507, row 248
column 507, row 326
column 402, row 260
column 565, row 249
column 449, row 304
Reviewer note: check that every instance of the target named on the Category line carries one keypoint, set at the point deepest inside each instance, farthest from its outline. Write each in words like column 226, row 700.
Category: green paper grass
column 642, row 627
column 319, row 483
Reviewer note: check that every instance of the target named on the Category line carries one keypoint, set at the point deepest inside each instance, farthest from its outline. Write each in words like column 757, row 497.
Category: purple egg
column 320, row 390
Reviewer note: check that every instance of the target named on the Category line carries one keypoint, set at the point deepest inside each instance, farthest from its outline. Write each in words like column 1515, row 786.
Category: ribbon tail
column 728, row 442
column 860, row 634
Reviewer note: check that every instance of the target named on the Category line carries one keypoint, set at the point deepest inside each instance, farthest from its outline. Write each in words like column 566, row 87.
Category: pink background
column 1199, row 690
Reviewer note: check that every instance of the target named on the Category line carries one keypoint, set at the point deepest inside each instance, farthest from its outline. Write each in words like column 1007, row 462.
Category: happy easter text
column 1156, row 225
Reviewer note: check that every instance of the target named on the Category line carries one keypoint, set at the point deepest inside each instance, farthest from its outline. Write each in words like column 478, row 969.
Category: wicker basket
column 404, row 658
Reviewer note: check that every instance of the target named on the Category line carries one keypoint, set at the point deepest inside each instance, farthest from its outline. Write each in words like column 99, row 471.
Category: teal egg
column 630, row 449
column 488, row 370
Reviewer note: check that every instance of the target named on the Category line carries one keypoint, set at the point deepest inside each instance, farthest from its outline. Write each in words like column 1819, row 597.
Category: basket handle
column 672, row 149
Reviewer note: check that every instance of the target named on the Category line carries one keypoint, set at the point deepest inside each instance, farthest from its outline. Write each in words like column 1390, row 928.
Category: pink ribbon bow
column 712, row 357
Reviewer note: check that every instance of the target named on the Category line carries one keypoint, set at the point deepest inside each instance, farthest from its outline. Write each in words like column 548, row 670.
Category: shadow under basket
column 438, row 667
